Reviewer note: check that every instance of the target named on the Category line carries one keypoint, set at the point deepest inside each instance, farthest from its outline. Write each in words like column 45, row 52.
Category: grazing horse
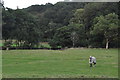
column 92, row 60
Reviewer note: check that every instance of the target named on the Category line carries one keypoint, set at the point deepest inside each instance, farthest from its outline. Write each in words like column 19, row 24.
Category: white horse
column 92, row 60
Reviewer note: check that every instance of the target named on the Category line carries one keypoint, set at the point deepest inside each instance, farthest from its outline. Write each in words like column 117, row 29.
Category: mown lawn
column 70, row 63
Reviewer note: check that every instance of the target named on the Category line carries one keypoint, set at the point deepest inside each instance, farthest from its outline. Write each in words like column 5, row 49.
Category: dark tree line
column 63, row 25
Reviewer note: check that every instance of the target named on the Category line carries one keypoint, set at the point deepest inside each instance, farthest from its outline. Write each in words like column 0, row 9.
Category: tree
column 78, row 17
column 57, row 15
column 106, row 25
column 20, row 26
column 62, row 24
column 92, row 10
column 68, row 36
column 26, row 29
column 61, row 38
column 74, row 38
column 8, row 20
column 77, row 21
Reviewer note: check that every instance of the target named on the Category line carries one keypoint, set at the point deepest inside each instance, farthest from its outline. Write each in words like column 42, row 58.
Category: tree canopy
column 108, row 26
column 63, row 25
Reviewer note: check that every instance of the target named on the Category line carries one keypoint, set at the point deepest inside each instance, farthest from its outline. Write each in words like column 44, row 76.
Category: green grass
column 70, row 63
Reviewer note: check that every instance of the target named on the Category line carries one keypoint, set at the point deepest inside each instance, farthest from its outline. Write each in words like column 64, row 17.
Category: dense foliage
column 62, row 25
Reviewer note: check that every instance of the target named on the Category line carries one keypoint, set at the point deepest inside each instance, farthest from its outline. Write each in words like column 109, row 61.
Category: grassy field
column 70, row 63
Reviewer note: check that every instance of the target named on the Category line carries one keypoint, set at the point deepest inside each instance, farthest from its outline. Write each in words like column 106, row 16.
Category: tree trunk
column 7, row 48
column 107, row 43
column 73, row 44
column 73, row 40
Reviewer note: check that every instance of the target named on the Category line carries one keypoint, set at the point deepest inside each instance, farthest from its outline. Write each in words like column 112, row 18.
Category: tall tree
column 26, row 28
column 76, row 21
column 108, row 26
column 92, row 10
column 8, row 20
column 78, row 17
